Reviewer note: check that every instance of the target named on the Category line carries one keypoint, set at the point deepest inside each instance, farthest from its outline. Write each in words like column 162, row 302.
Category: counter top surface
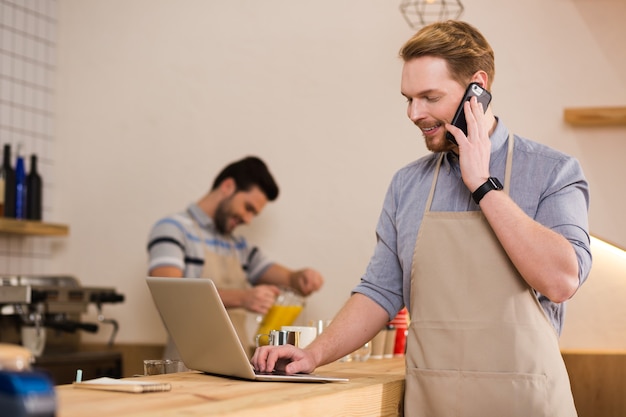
column 375, row 388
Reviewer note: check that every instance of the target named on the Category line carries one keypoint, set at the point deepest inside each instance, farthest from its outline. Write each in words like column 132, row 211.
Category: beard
column 438, row 143
column 222, row 214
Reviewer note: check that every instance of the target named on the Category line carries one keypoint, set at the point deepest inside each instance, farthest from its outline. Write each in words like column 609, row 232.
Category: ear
column 481, row 78
column 228, row 187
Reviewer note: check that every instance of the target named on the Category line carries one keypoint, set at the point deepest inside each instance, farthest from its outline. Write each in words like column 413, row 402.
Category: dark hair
column 463, row 47
column 247, row 173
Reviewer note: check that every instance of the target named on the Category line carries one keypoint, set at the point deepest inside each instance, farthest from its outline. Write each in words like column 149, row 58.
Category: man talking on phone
column 483, row 241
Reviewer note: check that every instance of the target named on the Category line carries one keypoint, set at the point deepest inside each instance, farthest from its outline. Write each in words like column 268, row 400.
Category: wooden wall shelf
column 596, row 116
column 32, row 228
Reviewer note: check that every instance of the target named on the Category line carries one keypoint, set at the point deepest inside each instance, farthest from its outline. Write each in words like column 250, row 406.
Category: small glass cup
column 360, row 355
column 34, row 339
column 163, row 366
column 378, row 344
column 390, row 341
column 320, row 325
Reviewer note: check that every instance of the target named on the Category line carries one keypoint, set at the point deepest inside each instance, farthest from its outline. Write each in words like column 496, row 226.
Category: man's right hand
column 284, row 358
column 260, row 298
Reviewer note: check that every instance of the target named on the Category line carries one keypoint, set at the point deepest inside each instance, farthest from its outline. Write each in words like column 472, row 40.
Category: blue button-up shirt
column 549, row 187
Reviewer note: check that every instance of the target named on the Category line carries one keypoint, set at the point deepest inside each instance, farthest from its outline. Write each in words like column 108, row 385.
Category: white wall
column 155, row 96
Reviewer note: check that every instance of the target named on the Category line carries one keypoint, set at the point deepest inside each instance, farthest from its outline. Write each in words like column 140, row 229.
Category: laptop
column 196, row 319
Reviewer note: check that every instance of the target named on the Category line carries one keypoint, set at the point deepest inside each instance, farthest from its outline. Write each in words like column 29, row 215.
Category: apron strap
column 509, row 164
column 429, row 201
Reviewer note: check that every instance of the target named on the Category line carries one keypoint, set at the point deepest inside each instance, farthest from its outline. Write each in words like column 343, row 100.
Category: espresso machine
column 43, row 313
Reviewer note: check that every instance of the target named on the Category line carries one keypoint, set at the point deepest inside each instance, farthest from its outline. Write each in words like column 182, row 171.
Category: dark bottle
column 33, row 191
column 20, row 187
column 7, row 177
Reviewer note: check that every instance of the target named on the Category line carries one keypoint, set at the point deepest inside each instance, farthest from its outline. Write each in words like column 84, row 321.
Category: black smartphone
column 473, row 90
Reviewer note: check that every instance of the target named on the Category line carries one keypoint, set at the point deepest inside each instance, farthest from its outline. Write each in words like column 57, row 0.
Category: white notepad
column 123, row 385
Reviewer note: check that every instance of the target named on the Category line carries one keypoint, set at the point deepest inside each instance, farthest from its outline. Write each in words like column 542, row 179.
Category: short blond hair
column 461, row 45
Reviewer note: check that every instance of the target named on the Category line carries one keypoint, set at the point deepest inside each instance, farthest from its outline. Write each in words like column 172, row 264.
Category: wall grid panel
column 27, row 77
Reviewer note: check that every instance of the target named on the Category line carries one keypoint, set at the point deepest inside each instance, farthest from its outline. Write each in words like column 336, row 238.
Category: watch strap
column 491, row 184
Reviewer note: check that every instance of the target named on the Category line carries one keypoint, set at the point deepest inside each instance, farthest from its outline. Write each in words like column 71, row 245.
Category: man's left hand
column 306, row 281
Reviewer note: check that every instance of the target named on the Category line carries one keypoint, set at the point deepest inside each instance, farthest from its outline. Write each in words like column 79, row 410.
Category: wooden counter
column 376, row 388
column 598, row 378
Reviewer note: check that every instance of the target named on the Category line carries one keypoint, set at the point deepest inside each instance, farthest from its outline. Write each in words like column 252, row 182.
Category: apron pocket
column 435, row 393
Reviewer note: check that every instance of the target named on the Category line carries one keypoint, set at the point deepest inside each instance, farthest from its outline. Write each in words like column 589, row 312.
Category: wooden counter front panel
column 598, row 380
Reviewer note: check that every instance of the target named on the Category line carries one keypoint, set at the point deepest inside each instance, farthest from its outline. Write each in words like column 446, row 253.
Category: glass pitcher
column 283, row 312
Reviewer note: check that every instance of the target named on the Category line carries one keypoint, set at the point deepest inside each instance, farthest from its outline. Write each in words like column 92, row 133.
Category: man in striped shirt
column 199, row 243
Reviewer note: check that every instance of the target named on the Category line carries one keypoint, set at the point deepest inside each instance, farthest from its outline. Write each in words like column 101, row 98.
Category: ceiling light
column 420, row 13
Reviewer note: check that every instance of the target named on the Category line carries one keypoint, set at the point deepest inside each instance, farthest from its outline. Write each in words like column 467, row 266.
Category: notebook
column 196, row 319
column 123, row 385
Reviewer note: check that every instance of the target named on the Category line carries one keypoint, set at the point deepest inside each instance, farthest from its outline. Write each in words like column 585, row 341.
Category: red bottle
column 401, row 321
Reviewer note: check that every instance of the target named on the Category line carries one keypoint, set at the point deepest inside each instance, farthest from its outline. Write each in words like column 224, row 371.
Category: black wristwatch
column 492, row 183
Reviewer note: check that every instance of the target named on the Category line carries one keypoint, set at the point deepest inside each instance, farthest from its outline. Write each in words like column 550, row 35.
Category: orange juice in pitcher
column 284, row 312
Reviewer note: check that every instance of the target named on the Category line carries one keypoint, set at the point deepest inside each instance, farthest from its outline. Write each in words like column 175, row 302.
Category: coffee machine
column 43, row 313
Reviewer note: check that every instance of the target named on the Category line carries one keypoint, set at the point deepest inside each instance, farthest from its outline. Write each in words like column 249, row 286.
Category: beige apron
column 479, row 343
column 227, row 273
